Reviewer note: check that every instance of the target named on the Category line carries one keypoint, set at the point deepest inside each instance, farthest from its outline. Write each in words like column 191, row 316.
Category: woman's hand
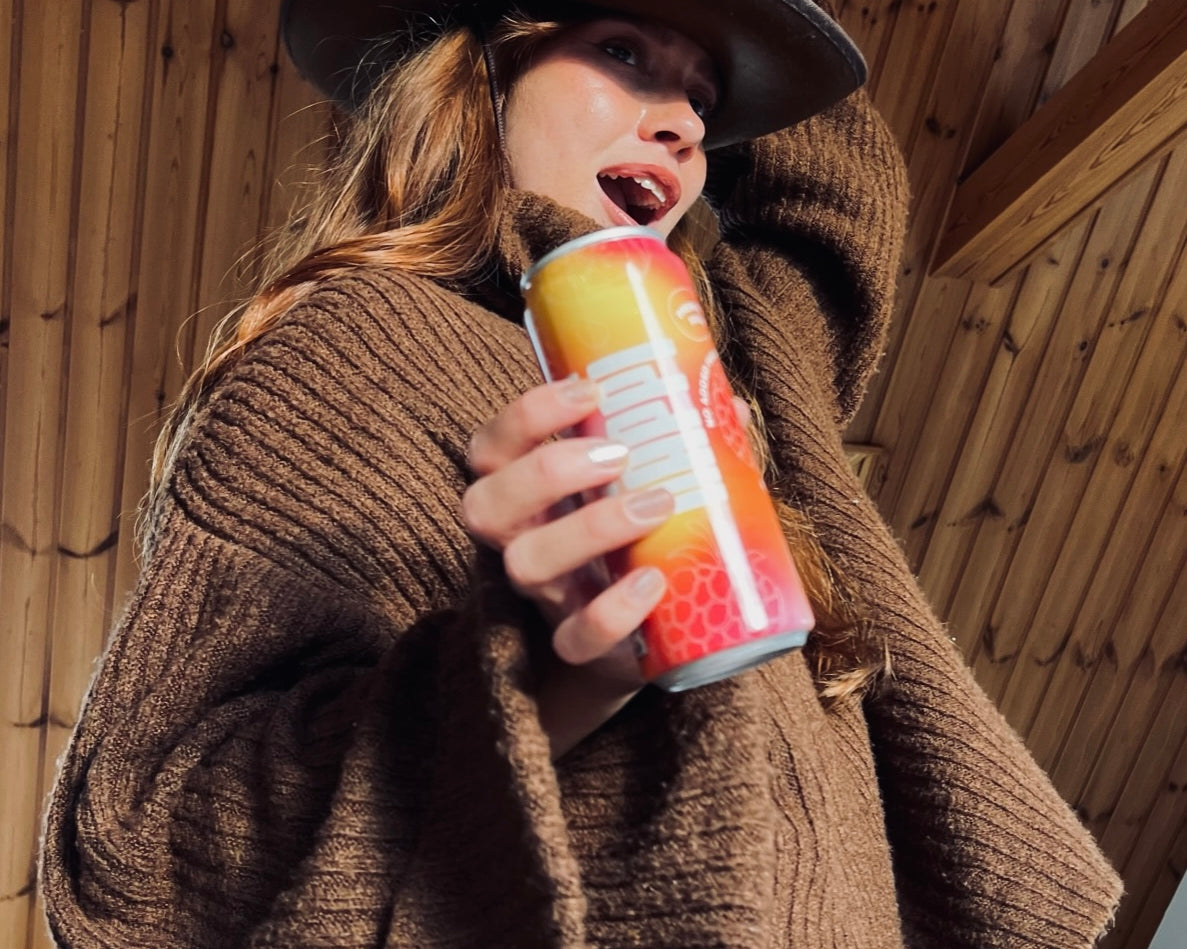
column 519, row 505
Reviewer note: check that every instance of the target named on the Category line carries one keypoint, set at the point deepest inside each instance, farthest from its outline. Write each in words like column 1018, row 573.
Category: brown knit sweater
column 314, row 725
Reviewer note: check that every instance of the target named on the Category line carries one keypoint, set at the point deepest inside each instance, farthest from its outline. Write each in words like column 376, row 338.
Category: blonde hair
column 417, row 183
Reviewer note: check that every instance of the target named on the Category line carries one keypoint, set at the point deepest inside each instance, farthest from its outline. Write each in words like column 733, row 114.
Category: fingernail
column 608, row 454
column 646, row 583
column 651, row 505
column 742, row 410
column 579, row 391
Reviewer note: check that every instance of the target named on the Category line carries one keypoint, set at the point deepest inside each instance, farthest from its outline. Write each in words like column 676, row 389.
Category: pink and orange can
column 619, row 308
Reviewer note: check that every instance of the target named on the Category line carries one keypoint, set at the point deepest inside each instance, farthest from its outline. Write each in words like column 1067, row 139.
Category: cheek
column 526, row 153
column 606, row 113
column 694, row 180
column 551, row 136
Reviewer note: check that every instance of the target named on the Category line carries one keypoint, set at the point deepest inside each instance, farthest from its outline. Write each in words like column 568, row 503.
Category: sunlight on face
column 609, row 119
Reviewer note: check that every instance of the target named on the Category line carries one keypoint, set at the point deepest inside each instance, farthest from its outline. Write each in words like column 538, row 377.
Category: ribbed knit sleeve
column 985, row 853
column 821, row 207
column 312, row 725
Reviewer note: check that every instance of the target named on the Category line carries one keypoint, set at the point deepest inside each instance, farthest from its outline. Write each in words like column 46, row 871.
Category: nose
column 673, row 121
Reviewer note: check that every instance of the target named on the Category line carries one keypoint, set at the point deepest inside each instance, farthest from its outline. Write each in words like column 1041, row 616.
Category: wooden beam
column 866, row 461
column 1127, row 104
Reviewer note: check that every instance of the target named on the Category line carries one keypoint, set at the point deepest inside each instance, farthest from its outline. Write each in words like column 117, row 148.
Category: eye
column 703, row 101
column 621, row 52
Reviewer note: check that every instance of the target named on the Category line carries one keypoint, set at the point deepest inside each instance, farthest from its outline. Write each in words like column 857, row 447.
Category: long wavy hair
column 417, row 182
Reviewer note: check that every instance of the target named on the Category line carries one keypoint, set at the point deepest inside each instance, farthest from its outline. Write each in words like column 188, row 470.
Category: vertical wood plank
column 1086, row 28
column 1124, row 502
column 1135, row 744
column 42, row 215
column 1024, row 54
column 234, row 212
column 977, row 528
column 301, row 140
column 1113, row 356
column 1153, row 857
column 1143, row 825
column 109, row 146
column 1149, row 904
column 172, row 213
column 935, row 146
column 9, row 50
column 1016, row 361
column 921, row 34
column 1074, row 751
column 926, row 474
column 870, row 23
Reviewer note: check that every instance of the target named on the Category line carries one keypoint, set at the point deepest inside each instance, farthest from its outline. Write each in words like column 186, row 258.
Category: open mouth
column 642, row 197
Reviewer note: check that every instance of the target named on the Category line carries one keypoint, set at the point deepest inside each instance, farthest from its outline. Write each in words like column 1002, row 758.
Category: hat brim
column 780, row 61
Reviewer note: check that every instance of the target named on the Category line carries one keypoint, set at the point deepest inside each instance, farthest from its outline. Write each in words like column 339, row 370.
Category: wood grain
column 1024, row 438
column 46, row 74
column 1126, row 105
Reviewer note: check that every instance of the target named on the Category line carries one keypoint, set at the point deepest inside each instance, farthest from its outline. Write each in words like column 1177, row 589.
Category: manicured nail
column 646, row 584
column 652, row 505
column 579, row 391
column 742, row 410
column 608, row 454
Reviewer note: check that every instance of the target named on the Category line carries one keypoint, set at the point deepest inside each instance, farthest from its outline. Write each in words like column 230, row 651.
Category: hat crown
column 780, row 61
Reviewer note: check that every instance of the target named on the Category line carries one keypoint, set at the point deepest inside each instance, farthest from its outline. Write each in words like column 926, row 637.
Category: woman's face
column 608, row 120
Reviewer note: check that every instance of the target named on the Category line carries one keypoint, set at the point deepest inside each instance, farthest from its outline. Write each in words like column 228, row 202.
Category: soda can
column 618, row 307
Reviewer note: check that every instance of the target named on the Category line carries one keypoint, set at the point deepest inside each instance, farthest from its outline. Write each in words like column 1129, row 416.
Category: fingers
column 606, row 621
column 530, row 420
column 498, row 507
column 519, row 504
column 538, row 558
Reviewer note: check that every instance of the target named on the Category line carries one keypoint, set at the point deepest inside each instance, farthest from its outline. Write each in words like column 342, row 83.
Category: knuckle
column 570, row 641
column 549, row 463
column 600, row 628
column 521, row 566
column 476, row 513
column 605, row 525
column 478, row 453
column 521, row 412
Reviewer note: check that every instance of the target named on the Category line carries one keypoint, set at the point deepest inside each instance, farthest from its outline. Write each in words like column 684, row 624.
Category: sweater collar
column 530, row 226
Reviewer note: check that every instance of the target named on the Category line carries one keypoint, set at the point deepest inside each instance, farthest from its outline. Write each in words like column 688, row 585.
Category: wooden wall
column 1033, row 431
column 1029, row 434
column 146, row 145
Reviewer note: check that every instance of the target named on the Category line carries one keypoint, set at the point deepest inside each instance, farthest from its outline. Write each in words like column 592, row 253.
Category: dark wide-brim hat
column 779, row 61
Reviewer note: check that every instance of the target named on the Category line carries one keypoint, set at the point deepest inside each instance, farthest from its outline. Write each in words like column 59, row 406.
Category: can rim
column 605, row 235
column 731, row 661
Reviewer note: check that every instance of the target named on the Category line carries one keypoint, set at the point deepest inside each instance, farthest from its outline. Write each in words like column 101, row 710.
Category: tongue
column 636, row 195
column 631, row 196
column 614, row 189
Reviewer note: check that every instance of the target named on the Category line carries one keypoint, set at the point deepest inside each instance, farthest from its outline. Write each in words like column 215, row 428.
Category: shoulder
column 373, row 342
column 349, row 417
column 390, row 318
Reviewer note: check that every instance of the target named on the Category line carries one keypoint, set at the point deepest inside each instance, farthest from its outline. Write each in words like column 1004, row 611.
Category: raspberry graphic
column 700, row 613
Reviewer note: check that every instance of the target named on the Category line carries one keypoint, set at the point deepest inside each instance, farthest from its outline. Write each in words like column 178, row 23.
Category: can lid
column 604, row 236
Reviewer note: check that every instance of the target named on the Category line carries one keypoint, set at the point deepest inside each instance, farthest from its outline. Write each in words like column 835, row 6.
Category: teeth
column 648, row 183
column 654, row 188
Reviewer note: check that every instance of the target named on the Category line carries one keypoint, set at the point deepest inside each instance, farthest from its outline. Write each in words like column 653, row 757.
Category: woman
column 358, row 700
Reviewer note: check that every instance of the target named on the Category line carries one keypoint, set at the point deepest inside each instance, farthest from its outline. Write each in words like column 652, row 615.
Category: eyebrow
column 668, row 37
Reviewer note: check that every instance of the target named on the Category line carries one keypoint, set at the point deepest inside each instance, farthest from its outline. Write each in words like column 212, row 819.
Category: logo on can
column 618, row 307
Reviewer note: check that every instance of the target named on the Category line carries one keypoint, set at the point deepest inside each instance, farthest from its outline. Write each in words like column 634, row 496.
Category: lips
column 640, row 194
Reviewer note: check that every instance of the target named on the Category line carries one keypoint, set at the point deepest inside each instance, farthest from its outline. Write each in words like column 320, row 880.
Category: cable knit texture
column 315, row 727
